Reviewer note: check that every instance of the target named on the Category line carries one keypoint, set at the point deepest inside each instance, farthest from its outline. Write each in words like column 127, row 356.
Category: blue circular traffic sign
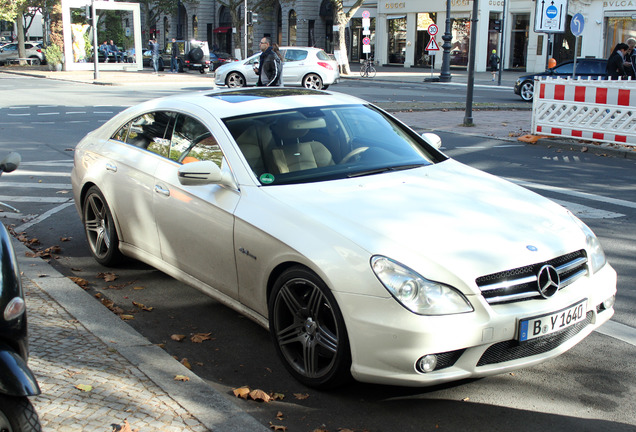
column 577, row 24
column 551, row 11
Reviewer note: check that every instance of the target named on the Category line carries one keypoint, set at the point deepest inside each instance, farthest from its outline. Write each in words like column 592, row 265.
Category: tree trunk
column 20, row 31
column 342, row 46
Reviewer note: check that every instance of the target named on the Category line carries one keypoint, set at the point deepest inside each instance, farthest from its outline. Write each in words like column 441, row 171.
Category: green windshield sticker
column 267, row 178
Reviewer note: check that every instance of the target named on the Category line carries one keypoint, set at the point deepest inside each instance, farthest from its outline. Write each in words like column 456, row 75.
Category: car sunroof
column 244, row 95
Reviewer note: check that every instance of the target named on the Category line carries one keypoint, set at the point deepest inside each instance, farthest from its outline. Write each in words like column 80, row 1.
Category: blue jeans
column 174, row 65
column 155, row 63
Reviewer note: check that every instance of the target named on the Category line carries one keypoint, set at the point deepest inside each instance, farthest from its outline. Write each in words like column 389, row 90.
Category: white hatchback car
column 303, row 66
column 365, row 250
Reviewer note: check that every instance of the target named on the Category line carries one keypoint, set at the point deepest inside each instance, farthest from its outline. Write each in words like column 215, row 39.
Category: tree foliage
column 342, row 18
column 15, row 10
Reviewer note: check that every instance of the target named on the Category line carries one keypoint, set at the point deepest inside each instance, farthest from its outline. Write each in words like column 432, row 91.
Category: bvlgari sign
column 619, row 4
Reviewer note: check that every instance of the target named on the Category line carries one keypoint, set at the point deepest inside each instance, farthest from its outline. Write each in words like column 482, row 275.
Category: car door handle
column 111, row 167
column 161, row 190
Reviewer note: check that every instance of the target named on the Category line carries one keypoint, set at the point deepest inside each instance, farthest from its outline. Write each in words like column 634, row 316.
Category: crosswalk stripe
column 35, row 185
column 34, row 199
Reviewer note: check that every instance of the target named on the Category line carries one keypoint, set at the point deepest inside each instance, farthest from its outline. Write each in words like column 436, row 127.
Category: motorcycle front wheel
column 18, row 415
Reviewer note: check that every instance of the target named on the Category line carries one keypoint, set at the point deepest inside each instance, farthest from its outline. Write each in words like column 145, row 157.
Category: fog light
column 14, row 309
column 427, row 363
column 609, row 303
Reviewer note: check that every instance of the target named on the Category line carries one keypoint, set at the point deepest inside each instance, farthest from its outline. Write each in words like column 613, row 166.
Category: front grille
column 521, row 283
column 513, row 350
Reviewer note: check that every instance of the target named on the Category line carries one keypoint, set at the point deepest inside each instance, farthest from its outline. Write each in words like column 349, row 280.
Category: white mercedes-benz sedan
column 366, row 251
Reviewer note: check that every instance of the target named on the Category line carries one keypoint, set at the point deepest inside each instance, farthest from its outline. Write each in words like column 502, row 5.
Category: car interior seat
column 294, row 153
column 252, row 138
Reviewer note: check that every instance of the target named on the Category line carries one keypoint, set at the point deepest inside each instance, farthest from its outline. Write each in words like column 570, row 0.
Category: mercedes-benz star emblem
column 548, row 281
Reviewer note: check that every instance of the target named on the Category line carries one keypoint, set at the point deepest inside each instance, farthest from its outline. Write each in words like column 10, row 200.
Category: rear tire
column 312, row 81
column 18, row 415
column 35, row 61
column 99, row 227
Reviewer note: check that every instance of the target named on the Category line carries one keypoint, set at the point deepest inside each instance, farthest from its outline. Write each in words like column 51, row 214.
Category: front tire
column 18, row 415
column 235, row 80
column 308, row 330
column 312, row 81
column 99, row 227
column 527, row 91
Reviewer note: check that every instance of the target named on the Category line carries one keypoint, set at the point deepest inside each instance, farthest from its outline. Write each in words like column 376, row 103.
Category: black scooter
column 17, row 382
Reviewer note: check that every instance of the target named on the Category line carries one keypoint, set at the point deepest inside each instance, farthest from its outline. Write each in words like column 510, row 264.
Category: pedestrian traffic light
column 496, row 25
column 252, row 18
column 89, row 11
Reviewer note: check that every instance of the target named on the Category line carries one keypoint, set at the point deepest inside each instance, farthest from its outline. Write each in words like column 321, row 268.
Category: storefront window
column 461, row 41
column 618, row 29
column 397, row 38
column 494, row 29
column 357, row 37
column 519, row 39
column 424, row 20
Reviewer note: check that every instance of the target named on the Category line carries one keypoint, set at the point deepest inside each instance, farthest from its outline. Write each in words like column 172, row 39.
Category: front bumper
column 387, row 340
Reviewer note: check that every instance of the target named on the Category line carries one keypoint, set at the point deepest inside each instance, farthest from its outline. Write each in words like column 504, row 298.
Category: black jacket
column 615, row 67
column 268, row 71
column 174, row 52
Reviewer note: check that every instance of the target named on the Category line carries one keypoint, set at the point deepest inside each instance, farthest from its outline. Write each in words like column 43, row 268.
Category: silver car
column 303, row 66
column 33, row 51
column 366, row 251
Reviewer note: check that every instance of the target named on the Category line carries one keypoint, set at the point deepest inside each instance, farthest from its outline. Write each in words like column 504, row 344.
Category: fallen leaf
column 142, row 306
column 584, row 149
column 125, row 428
column 277, row 427
column 466, row 399
column 79, row 281
column 277, row 396
column 242, row 392
column 126, row 317
column 279, row 415
column 177, row 337
column 200, row 337
column 138, row 288
column 108, row 277
column 84, row 387
column 301, row 396
column 181, row 378
column 65, row 239
column 186, row 363
column 260, row 396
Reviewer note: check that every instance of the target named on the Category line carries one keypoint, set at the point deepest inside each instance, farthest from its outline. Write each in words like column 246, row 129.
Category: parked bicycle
column 367, row 70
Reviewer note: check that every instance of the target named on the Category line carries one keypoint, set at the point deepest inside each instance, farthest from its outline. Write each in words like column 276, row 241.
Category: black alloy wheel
column 100, row 228
column 308, row 330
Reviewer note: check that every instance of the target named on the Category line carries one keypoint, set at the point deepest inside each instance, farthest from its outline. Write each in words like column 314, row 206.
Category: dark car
column 218, row 58
column 593, row 68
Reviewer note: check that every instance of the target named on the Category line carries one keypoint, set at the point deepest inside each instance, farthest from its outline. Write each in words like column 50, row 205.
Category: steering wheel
column 353, row 153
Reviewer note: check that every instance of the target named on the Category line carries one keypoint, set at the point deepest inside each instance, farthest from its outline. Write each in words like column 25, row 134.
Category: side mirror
column 432, row 139
column 11, row 162
column 202, row 173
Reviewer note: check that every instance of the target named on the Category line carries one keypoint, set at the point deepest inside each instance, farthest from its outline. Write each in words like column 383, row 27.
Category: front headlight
column 417, row 294
column 596, row 258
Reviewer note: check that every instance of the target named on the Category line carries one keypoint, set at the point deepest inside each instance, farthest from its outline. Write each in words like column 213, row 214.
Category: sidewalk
column 75, row 341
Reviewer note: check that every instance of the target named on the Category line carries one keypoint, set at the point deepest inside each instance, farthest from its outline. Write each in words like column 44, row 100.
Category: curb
column 198, row 398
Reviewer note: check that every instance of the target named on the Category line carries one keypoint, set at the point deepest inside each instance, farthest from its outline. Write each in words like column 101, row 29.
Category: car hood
column 445, row 221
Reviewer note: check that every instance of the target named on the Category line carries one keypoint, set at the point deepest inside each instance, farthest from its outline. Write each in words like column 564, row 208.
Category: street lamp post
column 445, row 75
column 468, row 117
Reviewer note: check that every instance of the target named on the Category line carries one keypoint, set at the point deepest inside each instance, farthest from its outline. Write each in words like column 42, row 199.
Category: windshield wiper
column 385, row 169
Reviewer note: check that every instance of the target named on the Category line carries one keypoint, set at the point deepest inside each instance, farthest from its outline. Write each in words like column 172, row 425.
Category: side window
column 295, row 55
column 192, row 142
column 150, row 131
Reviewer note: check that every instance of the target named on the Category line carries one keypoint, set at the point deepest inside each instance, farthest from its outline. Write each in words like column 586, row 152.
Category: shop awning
column 222, row 29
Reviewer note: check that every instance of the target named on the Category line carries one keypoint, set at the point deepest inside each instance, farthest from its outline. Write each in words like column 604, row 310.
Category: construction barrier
column 595, row 110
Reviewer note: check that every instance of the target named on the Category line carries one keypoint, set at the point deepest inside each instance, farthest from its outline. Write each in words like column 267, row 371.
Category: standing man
column 154, row 48
column 630, row 58
column 494, row 63
column 616, row 62
column 174, row 55
column 268, row 73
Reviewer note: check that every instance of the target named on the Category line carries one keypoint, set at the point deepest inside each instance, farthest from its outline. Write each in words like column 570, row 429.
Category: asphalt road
column 588, row 388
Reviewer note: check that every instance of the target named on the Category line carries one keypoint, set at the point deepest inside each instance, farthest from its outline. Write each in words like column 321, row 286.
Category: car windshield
column 327, row 143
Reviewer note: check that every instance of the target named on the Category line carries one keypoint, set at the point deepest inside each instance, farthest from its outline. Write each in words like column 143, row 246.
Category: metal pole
column 468, row 117
column 502, row 45
column 245, row 29
column 445, row 75
column 95, row 43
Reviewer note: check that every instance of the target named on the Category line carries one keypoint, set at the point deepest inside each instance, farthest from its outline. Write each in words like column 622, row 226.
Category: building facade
column 399, row 30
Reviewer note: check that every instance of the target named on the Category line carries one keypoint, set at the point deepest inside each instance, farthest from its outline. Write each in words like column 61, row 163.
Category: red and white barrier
column 587, row 109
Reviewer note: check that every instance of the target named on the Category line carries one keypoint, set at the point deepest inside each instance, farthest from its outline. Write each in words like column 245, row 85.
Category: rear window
column 322, row 55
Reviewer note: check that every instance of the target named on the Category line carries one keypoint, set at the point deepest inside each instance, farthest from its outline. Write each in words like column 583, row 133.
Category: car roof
column 237, row 102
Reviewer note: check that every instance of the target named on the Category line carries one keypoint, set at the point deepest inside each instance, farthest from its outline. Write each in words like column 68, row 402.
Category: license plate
column 533, row 328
